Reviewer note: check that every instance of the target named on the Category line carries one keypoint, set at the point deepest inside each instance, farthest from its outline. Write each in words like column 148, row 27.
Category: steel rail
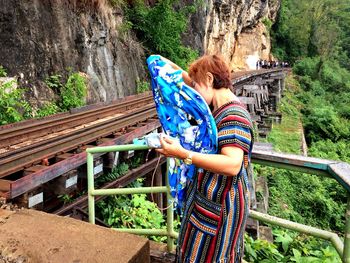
column 48, row 173
column 49, row 149
column 31, row 130
column 28, row 148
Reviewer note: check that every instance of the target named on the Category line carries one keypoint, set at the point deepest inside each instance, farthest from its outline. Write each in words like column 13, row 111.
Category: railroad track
column 29, row 143
column 13, row 134
column 17, row 159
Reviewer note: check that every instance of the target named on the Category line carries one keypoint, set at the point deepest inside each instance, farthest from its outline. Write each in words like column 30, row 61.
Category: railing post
column 346, row 253
column 169, row 214
column 91, row 187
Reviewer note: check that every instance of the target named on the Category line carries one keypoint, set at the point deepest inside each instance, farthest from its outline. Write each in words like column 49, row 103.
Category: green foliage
column 301, row 248
column 304, row 198
column 117, row 3
column 327, row 149
column 54, row 82
column 3, row 72
column 290, row 247
column 314, row 35
column 286, row 137
column 73, row 92
column 48, row 109
column 290, row 130
column 260, row 251
column 311, row 28
column 333, row 77
column 124, row 29
column 116, row 172
column 66, row 198
column 160, row 28
column 268, row 23
column 325, row 100
column 13, row 107
column 121, row 211
column 322, row 122
column 142, row 86
column 307, row 67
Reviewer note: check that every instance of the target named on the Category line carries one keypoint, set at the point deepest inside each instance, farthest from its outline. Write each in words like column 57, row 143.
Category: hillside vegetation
column 314, row 37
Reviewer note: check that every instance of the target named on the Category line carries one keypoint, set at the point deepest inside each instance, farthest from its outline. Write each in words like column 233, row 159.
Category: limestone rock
column 234, row 29
column 42, row 38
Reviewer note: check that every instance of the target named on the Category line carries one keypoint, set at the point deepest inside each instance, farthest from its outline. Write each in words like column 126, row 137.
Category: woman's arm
column 228, row 162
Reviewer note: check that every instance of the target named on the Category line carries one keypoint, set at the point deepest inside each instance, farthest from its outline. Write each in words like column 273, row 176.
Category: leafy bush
column 333, row 77
column 116, row 172
column 73, row 92
column 160, row 28
column 13, row 107
column 121, row 211
column 290, row 247
column 316, row 204
column 260, row 251
column 3, row 72
column 322, row 122
column 268, row 23
column 142, row 86
column 54, row 82
column 327, row 149
column 307, row 67
column 48, row 109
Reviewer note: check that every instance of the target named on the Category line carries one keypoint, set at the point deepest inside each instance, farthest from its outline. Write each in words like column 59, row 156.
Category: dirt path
column 32, row 236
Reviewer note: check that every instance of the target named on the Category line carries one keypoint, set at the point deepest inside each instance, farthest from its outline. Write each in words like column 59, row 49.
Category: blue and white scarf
column 176, row 103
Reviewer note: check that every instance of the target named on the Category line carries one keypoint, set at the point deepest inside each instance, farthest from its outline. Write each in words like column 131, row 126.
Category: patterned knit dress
column 216, row 206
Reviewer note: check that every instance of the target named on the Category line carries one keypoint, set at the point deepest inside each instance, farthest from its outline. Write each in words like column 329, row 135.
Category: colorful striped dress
column 216, row 207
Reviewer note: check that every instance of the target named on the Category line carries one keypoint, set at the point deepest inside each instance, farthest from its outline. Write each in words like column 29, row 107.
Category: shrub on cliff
column 160, row 28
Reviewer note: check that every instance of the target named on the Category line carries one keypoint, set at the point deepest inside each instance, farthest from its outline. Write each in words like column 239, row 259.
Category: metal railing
column 338, row 170
column 92, row 192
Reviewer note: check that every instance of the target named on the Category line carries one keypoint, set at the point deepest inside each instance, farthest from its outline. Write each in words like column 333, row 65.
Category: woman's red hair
column 214, row 64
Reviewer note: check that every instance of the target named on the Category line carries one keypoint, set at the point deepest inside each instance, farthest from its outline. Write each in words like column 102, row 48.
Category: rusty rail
column 24, row 131
column 33, row 180
column 47, row 149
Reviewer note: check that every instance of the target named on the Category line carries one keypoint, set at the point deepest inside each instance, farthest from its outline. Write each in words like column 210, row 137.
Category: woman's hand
column 172, row 148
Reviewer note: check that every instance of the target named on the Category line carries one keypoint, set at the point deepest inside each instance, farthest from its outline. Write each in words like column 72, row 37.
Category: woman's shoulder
column 233, row 111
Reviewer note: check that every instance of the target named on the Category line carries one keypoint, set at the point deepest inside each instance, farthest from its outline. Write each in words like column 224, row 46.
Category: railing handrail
column 336, row 169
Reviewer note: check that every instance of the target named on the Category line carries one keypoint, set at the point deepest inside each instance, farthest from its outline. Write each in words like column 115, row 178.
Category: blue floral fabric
column 178, row 107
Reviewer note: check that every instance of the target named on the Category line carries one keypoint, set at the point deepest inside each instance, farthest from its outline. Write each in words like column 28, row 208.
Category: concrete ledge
column 32, row 236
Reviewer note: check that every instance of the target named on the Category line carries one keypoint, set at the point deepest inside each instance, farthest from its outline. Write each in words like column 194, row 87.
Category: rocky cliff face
column 233, row 28
column 39, row 38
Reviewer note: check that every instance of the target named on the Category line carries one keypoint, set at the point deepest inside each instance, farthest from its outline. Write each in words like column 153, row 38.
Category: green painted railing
column 92, row 192
column 340, row 171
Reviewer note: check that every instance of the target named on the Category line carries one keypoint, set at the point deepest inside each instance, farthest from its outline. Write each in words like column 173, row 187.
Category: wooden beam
column 247, row 100
column 5, row 185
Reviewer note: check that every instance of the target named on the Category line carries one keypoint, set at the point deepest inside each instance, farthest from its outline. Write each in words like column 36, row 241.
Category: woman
column 216, row 206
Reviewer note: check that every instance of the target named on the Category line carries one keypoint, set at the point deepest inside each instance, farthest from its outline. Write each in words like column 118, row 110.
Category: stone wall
column 39, row 38
column 234, row 29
